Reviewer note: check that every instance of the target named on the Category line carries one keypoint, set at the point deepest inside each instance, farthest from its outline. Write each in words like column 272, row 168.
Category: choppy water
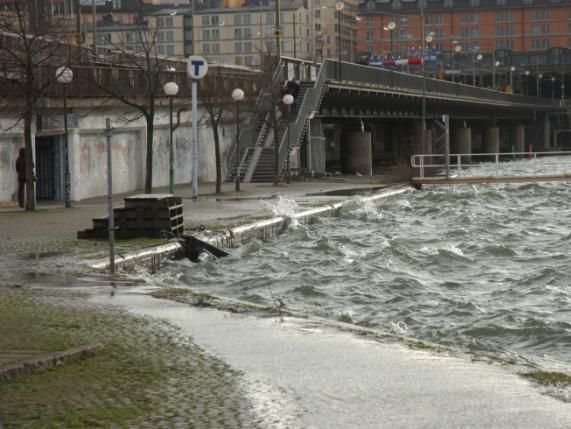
column 479, row 268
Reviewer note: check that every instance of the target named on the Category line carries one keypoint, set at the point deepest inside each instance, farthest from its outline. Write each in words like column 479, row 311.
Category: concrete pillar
column 357, row 153
column 492, row 140
column 463, row 140
column 546, row 132
column 518, row 138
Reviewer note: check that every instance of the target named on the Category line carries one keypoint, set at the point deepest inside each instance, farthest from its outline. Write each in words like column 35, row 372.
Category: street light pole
column 457, row 50
column 526, row 86
column 512, row 69
column 171, row 89
column 288, row 101
column 391, row 25
column 237, row 96
column 479, row 57
column 496, row 64
column 339, row 6
column 64, row 75
column 539, row 78
column 553, row 87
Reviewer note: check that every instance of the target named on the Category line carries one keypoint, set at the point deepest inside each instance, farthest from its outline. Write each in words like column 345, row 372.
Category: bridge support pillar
column 357, row 153
column 463, row 141
column 492, row 140
column 518, row 138
column 546, row 132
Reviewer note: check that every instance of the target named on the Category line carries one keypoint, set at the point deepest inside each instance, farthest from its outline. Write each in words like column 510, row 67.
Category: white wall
column 88, row 152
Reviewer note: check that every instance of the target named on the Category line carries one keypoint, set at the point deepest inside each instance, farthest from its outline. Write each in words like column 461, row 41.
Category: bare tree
column 30, row 51
column 151, row 69
column 215, row 96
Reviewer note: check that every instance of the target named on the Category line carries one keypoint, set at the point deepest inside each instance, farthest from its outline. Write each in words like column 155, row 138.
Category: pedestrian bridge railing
column 418, row 85
column 490, row 165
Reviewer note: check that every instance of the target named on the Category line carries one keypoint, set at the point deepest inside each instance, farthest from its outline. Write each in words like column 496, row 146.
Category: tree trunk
column 30, row 174
column 217, row 157
column 150, row 118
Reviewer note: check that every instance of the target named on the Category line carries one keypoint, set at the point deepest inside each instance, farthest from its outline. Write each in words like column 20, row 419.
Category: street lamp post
column 64, row 75
column 423, row 136
column 479, row 57
column 457, row 50
column 512, row 69
column 553, row 87
column 171, row 89
column 539, row 78
column 339, row 6
column 526, row 86
column 496, row 64
column 237, row 96
column 288, row 100
column 391, row 25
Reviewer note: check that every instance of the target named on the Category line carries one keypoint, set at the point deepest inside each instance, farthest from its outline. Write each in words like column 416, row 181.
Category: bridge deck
column 490, row 179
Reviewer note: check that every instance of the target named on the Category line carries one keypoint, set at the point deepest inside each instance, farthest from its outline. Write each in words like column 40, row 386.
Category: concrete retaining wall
column 150, row 259
column 88, row 151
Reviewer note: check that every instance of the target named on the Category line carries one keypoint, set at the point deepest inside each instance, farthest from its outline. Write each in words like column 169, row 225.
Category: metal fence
column 492, row 164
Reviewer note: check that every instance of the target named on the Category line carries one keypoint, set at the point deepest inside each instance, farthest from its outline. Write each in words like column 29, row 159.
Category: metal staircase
column 256, row 140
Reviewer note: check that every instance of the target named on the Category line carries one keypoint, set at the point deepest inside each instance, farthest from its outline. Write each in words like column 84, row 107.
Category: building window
column 238, row 47
column 270, row 18
column 205, row 34
column 214, row 20
column 433, row 19
column 238, row 61
column 215, row 34
column 369, row 21
column 170, row 49
column 396, row 4
column 160, row 22
column 215, row 48
column 318, row 14
column 170, row 36
column 247, row 33
column 206, row 49
column 474, row 3
column 237, row 33
column 160, row 36
column 369, row 35
column 248, row 61
column 501, row 2
column 248, row 47
column 206, row 20
column 545, row 43
column 161, row 49
column 504, row 17
column 247, row 19
column 237, row 19
column 448, row 3
column 539, row 14
column 317, row 27
column 169, row 22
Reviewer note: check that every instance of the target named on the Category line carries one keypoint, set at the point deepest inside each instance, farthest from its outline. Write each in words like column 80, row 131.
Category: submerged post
column 111, row 220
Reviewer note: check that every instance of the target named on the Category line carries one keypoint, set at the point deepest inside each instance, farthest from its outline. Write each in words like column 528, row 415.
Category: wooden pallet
column 145, row 215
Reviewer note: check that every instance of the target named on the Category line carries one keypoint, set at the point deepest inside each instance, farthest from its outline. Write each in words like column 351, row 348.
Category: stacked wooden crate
column 144, row 215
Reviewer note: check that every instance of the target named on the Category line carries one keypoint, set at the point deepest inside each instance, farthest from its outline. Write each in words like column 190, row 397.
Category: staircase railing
column 247, row 135
column 310, row 102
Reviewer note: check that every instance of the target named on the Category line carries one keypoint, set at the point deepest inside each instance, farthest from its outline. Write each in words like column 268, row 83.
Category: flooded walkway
column 300, row 374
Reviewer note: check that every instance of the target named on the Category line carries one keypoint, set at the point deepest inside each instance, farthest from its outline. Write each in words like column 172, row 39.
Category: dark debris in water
column 558, row 379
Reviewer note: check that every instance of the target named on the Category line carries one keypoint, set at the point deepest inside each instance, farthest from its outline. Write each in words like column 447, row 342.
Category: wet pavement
column 282, row 372
column 315, row 376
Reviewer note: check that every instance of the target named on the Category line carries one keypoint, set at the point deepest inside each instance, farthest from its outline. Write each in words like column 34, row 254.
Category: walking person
column 21, row 170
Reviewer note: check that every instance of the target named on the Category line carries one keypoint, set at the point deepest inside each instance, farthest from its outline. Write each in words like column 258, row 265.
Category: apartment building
column 329, row 43
column 244, row 35
column 474, row 25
